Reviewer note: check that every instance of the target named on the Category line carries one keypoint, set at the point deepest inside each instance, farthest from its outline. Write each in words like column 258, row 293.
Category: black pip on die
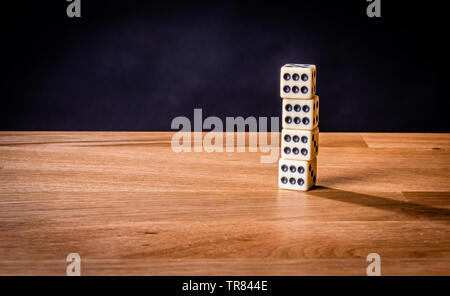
column 297, row 169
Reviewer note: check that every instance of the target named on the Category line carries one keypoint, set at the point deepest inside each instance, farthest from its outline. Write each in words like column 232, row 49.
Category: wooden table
column 129, row 205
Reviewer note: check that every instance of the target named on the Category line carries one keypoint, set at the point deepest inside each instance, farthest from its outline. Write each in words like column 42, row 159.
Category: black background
column 130, row 65
column 278, row 285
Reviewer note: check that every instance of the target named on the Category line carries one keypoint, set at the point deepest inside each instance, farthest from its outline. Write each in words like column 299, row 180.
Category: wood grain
column 129, row 205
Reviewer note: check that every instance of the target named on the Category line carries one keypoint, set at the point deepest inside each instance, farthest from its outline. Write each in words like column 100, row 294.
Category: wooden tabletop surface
column 127, row 204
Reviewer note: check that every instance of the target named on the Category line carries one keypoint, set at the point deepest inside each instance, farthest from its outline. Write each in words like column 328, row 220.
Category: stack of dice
column 300, row 135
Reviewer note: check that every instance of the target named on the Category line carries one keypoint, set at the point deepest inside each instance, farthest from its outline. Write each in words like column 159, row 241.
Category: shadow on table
column 416, row 210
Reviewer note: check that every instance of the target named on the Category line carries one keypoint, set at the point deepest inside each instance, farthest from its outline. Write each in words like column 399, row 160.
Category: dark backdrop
column 129, row 65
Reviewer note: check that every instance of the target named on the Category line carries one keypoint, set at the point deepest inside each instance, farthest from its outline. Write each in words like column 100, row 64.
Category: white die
column 300, row 114
column 298, row 81
column 299, row 145
column 297, row 174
